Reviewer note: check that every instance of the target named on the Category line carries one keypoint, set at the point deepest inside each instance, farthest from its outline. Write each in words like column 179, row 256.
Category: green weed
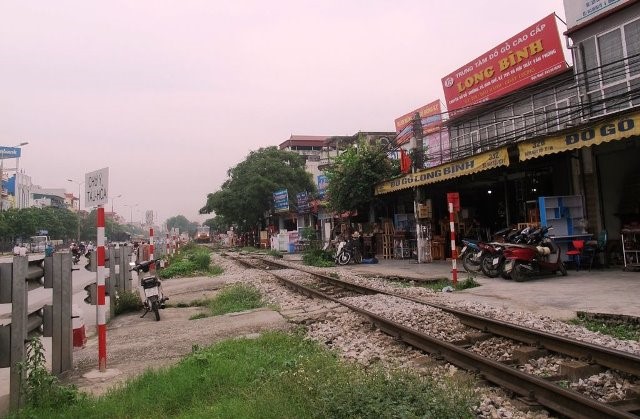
column 318, row 257
column 277, row 375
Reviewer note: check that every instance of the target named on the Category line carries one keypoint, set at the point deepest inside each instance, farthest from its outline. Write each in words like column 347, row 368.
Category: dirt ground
column 136, row 344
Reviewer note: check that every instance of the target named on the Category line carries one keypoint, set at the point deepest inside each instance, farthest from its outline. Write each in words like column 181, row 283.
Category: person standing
column 23, row 250
column 16, row 250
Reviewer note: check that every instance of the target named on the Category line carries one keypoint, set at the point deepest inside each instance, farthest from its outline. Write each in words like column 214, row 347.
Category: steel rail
column 552, row 396
column 607, row 357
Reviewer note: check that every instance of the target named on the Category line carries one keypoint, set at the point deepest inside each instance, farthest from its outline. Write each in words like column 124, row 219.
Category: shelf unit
column 564, row 213
column 630, row 248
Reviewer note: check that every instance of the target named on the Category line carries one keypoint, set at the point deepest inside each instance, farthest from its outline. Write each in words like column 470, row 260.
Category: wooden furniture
column 437, row 248
column 564, row 213
column 630, row 248
column 387, row 239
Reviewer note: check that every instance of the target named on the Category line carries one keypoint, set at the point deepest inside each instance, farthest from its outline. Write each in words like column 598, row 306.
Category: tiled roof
column 304, row 140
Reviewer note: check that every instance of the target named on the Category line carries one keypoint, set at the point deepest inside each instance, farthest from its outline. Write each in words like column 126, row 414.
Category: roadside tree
column 247, row 195
column 353, row 176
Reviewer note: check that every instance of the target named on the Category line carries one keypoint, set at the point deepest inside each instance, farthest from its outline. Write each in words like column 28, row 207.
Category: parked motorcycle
column 152, row 287
column 493, row 253
column 348, row 250
column 471, row 255
column 523, row 262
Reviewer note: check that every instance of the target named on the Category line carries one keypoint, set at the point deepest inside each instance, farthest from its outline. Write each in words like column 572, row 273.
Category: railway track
column 586, row 357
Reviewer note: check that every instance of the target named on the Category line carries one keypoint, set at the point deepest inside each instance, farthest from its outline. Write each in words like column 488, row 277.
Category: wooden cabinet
column 564, row 213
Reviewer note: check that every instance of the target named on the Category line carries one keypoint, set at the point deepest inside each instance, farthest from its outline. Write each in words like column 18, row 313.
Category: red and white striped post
column 153, row 265
column 100, row 286
column 454, row 251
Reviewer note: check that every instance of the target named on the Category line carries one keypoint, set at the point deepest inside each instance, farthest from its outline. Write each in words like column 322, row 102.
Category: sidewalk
column 611, row 290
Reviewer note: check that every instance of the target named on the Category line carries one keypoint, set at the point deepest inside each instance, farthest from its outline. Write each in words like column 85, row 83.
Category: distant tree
column 247, row 195
column 354, row 174
column 217, row 224
column 184, row 225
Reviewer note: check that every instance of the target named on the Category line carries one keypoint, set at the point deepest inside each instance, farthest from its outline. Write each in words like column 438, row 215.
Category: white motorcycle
column 152, row 287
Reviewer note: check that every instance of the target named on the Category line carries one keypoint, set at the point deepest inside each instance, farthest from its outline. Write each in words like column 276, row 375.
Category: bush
column 127, row 301
column 201, row 260
column 318, row 257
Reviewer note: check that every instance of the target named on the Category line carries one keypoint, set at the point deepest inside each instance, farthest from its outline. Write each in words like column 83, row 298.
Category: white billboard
column 96, row 186
column 579, row 12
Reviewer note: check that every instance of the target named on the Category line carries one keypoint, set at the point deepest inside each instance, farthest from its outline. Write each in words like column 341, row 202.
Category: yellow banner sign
column 614, row 129
column 462, row 167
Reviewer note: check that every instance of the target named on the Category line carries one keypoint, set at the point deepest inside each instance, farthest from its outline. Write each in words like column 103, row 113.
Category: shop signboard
column 579, row 12
column 9, row 152
column 430, row 117
column 585, row 136
column 534, row 54
column 281, row 200
column 474, row 164
column 303, row 202
column 323, row 182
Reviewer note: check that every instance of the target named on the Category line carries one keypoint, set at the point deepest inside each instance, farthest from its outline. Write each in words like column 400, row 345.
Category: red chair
column 575, row 253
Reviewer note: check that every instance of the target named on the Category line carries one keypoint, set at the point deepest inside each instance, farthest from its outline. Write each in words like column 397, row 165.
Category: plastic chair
column 593, row 248
column 576, row 252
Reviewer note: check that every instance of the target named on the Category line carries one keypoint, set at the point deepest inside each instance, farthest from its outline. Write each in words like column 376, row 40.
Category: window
column 632, row 40
column 610, row 64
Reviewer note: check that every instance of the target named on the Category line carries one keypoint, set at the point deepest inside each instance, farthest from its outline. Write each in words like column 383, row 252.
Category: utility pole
column 79, row 184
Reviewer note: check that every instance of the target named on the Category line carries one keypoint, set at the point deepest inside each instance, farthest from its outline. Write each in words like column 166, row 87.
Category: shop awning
column 612, row 129
column 477, row 163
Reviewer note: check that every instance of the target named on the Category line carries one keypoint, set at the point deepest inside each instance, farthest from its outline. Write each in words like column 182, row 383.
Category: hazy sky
column 171, row 94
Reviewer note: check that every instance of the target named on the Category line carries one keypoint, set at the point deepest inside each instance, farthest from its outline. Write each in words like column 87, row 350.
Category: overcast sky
column 169, row 95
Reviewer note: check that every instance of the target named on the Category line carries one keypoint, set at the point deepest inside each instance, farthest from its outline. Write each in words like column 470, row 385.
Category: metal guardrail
column 55, row 319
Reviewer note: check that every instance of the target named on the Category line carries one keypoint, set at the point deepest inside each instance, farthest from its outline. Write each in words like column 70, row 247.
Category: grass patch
column 191, row 260
column 275, row 376
column 274, row 253
column 624, row 331
column 439, row 284
column 238, row 297
column 318, row 257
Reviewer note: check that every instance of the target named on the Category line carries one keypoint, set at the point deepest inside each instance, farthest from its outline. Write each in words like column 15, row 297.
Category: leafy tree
column 60, row 223
column 184, row 225
column 353, row 176
column 247, row 195
column 217, row 224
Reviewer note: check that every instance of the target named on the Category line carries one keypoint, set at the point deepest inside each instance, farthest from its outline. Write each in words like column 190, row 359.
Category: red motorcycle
column 523, row 262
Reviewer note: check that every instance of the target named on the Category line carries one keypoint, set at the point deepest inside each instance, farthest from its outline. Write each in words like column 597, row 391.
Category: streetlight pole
column 79, row 184
column 112, row 199
column 131, row 214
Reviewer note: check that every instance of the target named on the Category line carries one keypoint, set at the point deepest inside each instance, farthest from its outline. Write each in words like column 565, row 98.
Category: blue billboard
column 281, row 200
column 323, row 182
column 9, row 152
